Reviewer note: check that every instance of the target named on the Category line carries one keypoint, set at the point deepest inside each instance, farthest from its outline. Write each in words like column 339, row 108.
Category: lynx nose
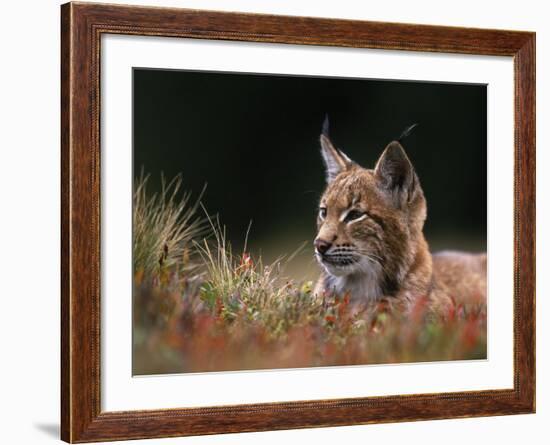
column 321, row 245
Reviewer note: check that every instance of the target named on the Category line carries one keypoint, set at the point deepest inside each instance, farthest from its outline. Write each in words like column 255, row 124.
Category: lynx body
column 370, row 240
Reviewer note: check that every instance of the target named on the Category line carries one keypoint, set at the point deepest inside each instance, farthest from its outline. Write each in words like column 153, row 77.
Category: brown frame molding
column 82, row 25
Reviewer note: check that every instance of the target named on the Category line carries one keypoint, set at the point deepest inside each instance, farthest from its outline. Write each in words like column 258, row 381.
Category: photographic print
column 292, row 221
column 314, row 218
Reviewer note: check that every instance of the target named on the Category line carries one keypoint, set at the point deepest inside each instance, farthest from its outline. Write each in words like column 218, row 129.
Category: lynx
column 370, row 242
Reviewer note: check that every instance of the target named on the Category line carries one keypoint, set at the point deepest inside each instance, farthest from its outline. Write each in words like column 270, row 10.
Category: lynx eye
column 353, row 215
column 322, row 212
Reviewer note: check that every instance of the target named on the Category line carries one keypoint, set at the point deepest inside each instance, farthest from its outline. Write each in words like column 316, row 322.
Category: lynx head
column 369, row 220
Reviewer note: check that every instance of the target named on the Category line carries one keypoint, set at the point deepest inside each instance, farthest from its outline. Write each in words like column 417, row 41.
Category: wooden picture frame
column 82, row 25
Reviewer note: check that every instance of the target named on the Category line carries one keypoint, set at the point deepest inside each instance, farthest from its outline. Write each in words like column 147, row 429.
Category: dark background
column 254, row 140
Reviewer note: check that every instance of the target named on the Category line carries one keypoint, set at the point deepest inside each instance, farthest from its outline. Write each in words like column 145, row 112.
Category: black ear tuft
column 406, row 132
column 326, row 126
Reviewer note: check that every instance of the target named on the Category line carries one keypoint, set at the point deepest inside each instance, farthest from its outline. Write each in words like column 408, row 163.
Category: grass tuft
column 238, row 286
column 165, row 228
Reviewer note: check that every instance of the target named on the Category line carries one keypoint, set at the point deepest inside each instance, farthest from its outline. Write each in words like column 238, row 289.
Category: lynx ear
column 335, row 160
column 395, row 173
